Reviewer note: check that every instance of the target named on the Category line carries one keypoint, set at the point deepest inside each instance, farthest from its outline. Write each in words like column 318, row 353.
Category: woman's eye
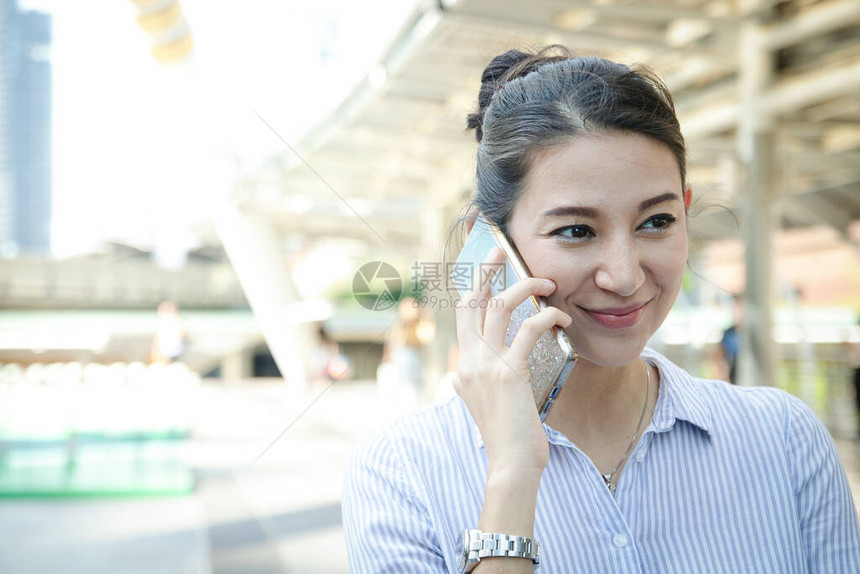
column 574, row 232
column 659, row 222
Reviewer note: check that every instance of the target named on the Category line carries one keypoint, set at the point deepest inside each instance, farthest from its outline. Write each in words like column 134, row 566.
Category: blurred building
column 25, row 131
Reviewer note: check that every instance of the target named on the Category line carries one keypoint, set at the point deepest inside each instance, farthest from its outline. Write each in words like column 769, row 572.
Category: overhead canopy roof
column 397, row 147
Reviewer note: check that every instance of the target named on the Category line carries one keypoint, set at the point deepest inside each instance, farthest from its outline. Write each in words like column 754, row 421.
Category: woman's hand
column 494, row 380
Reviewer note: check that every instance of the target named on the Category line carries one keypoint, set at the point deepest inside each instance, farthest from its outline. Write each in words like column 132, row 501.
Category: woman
column 639, row 467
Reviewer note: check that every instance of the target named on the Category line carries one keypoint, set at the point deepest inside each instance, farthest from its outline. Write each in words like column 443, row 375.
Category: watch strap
column 490, row 544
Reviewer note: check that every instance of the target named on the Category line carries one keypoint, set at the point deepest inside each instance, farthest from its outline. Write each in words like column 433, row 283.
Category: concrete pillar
column 755, row 149
column 257, row 253
column 435, row 355
column 237, row 365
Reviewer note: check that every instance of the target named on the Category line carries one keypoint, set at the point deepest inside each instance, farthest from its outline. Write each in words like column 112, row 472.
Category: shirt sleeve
column 387, row 528
column 828, row 518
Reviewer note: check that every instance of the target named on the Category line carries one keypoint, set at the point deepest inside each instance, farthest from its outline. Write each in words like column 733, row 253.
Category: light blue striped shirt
column 725, row 479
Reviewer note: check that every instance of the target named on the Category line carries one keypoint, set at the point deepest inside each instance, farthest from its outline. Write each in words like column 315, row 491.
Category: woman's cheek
column 566, row 268
column 669, row 274
column 541, row 264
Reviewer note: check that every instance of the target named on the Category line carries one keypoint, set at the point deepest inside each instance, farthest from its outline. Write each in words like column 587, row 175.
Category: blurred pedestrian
column 328, row 363
column 854, row 362
column 170, row 340
column 401, row 369
column 730, row 344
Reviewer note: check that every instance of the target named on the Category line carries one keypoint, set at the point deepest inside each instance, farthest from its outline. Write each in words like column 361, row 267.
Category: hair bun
column 503, row 68
column 491, row 80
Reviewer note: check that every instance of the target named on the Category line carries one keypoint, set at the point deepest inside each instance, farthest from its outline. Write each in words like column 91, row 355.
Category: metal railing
column 45, row 283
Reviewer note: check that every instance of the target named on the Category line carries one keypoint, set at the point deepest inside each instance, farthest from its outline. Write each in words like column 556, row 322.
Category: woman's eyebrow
column 663, row 197
column 571, row 210
column 592, row 213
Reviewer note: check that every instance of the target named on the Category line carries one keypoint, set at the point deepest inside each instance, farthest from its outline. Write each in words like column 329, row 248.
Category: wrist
column 510, row 502
column 514, row 476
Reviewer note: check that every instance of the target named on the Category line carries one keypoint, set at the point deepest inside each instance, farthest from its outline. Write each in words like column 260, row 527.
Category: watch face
column 464, row 563
column 464, row 550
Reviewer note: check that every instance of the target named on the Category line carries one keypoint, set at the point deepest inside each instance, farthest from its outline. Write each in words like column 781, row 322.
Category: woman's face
column 604, row 217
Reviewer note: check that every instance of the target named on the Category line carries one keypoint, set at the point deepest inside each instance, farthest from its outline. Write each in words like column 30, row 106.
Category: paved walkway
column 263, row 517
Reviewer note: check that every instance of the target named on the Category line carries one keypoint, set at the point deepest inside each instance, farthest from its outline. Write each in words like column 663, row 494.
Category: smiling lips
column 618, row 318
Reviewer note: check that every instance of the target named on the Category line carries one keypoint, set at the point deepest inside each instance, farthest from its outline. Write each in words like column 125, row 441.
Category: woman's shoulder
column 439, row 428
column 720, row 402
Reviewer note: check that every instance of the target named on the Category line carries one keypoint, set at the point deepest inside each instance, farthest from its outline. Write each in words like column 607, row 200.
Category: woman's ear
column 688, row 197
column 470, row 219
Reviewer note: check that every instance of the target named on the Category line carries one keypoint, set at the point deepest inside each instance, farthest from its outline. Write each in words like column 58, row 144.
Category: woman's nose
column 620, row 269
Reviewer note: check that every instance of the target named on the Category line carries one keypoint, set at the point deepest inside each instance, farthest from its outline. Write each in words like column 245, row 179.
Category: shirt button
column 620, row 540
column 640, row 457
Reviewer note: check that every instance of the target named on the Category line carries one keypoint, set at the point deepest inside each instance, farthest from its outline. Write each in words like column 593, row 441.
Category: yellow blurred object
column 575, row 19
column 165, row 24
column 160, row 20
column 176, row 50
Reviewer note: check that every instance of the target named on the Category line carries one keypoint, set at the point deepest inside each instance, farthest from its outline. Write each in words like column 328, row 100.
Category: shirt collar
column 680, row 399
column 681, row 396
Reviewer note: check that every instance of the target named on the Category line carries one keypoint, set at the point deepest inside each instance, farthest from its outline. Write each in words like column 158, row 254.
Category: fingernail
column 549, row 282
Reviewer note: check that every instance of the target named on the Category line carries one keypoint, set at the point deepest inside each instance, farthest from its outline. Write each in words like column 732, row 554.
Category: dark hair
column 529, row 102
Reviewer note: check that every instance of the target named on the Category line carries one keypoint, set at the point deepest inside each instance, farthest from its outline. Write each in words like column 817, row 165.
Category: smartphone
column 553, row 356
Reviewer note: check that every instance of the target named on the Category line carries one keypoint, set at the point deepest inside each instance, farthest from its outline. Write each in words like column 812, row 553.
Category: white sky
column 140, row 150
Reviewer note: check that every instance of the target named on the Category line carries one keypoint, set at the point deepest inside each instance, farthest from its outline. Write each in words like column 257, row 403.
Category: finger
column 531, row 329
column 468, row 330
column 500, row 308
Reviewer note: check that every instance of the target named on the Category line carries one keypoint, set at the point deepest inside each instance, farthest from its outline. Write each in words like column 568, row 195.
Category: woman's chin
column 608, row 353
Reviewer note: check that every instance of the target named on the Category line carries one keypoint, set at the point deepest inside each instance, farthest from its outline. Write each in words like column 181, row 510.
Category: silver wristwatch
column 477, row 545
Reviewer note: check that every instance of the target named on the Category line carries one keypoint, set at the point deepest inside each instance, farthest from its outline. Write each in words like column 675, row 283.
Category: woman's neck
column 603, row 403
